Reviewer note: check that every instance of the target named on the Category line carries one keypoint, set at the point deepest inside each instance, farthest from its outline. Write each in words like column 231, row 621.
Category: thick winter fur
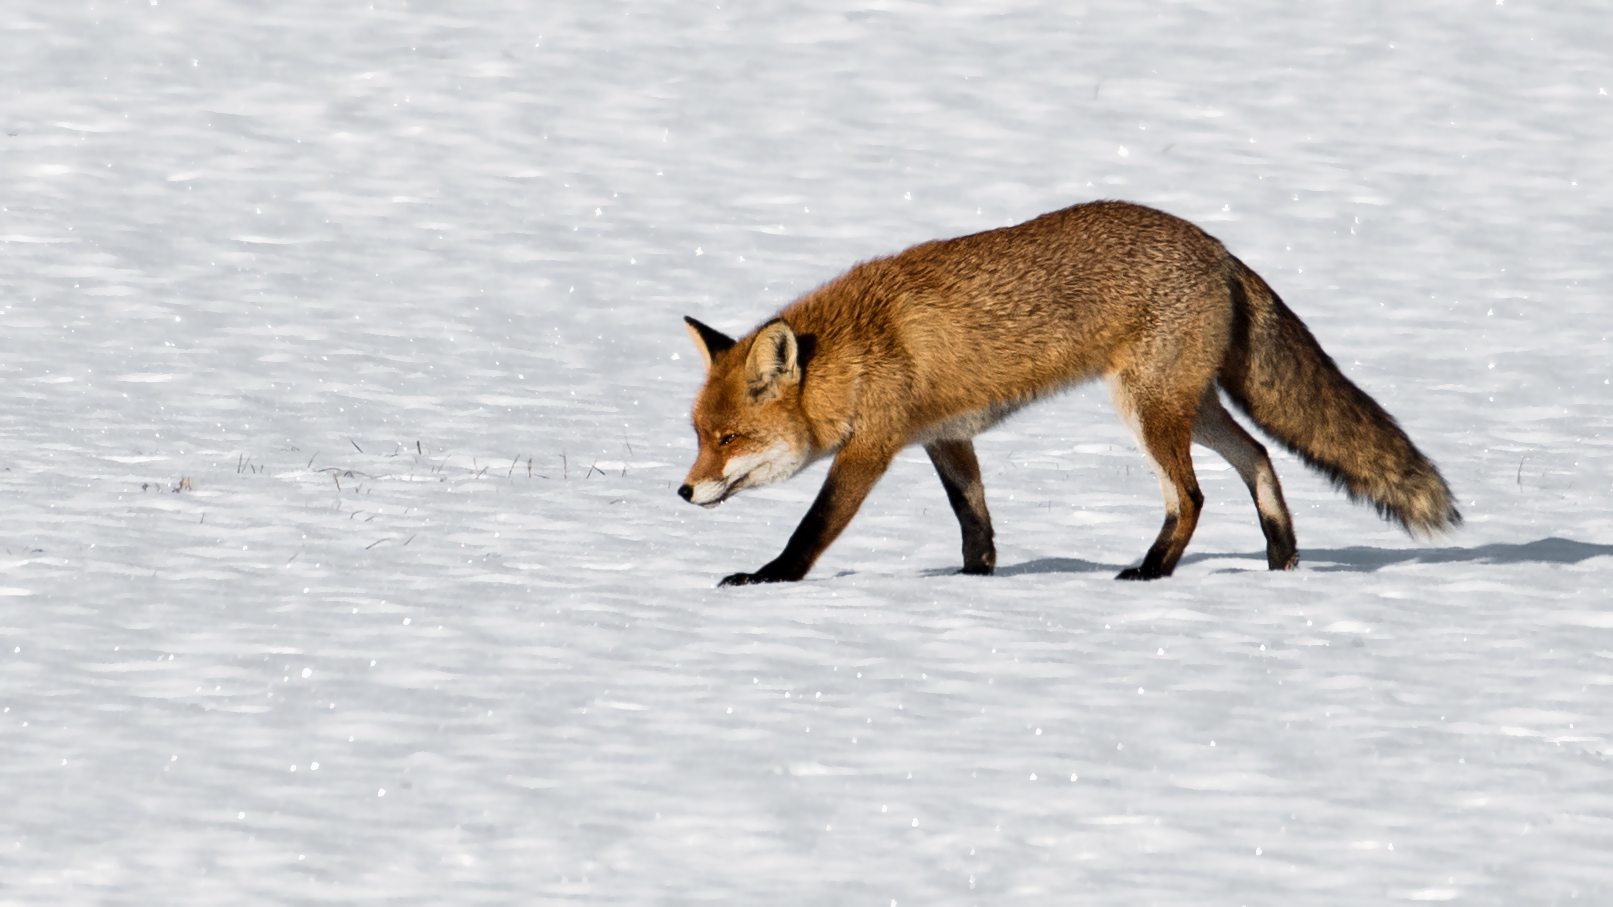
column 938, row 343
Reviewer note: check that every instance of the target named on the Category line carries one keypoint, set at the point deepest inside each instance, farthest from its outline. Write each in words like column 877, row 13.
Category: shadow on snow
column 1361, row 559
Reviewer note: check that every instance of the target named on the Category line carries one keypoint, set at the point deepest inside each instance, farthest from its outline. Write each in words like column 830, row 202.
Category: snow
column 348, row 397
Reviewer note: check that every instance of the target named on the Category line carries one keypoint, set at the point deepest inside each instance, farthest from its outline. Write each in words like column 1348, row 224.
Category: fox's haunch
column 1272, row 360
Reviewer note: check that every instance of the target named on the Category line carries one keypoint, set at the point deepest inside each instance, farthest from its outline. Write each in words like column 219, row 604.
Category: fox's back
column 1102, row 264
column 1019, row 312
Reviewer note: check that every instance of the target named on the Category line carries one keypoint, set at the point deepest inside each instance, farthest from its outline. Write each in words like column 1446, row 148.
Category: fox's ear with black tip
column 709, row 341
column 774, row 360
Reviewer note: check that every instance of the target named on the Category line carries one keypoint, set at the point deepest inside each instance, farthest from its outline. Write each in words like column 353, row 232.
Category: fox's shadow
column 1360, row 559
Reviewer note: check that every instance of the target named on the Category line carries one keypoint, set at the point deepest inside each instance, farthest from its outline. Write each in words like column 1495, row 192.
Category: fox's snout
column 706, row 493
column 714, row 479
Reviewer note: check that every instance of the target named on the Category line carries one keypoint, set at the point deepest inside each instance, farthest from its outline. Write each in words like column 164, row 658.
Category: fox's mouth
column 728, row 491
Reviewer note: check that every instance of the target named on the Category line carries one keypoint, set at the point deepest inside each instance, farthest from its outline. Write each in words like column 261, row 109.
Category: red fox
column 936, row 344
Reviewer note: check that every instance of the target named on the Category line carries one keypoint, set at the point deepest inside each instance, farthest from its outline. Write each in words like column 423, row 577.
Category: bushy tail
column 1277, row 373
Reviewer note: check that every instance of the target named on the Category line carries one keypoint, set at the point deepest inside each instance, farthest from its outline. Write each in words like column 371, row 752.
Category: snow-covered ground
column 346, row 395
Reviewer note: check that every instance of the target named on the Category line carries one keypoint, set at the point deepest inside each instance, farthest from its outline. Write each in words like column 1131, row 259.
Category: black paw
column 1138, row 573
column 977, row 570
column 750, row 579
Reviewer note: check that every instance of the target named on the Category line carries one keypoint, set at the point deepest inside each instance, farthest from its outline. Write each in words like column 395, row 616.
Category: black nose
column 686, row 492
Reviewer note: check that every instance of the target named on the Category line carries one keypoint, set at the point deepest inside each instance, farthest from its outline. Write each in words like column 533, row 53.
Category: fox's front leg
column 856, row 468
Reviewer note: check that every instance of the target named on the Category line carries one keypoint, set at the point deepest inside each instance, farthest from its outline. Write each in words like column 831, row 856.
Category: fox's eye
column 727, row 439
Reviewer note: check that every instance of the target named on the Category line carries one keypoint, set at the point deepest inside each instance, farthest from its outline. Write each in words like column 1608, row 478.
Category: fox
column 938, row 343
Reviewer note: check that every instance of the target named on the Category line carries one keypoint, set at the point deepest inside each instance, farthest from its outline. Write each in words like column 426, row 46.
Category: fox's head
column 748, row 416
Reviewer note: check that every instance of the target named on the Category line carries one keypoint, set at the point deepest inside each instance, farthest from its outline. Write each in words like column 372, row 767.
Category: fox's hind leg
column 960, row 476
column 1215, row 429
column 1162, row 419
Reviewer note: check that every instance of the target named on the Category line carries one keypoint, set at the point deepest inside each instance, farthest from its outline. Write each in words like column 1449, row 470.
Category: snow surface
column 346, row 396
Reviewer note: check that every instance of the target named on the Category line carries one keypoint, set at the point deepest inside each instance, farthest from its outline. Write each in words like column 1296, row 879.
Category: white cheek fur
column 774, row 464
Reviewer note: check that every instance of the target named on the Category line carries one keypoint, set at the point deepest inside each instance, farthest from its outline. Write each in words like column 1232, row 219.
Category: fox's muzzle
column 761, row 467
column 706, row 494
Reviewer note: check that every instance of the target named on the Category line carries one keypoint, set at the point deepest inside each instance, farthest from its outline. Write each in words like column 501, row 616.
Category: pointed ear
column 773, row 360
column 709, row 341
